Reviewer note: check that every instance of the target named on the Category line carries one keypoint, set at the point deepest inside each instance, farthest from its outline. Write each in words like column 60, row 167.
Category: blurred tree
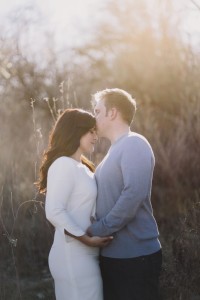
column 137, row 47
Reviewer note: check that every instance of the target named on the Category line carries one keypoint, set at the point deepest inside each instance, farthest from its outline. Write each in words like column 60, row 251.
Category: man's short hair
column 119, row 99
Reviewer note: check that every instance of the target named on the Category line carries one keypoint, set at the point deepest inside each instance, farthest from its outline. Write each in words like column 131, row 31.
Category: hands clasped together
column 92, row 241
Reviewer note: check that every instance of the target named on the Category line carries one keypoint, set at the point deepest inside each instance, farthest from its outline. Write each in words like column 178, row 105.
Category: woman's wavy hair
column 64, row 140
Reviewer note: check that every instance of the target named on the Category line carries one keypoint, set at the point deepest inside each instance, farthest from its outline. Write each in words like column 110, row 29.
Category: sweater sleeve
column 137, row 163
column 60, row 184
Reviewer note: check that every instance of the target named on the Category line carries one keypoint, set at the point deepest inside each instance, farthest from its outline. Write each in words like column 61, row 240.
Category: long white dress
column 70, row 202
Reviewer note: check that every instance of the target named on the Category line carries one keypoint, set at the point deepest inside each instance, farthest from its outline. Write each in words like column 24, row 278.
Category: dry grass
column 164, row 75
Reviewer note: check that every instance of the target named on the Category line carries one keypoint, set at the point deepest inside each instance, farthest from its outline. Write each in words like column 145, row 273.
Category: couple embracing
column 106, row 238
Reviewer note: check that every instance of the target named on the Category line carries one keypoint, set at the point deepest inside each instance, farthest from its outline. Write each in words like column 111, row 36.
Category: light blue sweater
column 124, row 180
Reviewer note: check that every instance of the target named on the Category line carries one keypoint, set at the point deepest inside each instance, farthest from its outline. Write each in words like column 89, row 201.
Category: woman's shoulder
column 63, row 164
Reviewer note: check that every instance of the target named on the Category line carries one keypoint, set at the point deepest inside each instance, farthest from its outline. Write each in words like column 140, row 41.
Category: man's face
column 101, row 118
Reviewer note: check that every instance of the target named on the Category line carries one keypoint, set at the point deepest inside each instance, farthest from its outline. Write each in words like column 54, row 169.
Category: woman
column 67, row 179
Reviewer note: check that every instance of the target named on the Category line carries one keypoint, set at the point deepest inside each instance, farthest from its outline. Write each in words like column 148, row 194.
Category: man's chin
column 99, row 134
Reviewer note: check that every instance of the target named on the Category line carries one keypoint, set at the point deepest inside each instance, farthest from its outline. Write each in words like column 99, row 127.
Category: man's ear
column 112, row 113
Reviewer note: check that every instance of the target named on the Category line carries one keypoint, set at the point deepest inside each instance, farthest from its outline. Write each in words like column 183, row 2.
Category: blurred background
column 55, row 55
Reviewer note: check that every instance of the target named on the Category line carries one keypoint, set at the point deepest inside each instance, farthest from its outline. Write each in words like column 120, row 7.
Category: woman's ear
column 112, row 113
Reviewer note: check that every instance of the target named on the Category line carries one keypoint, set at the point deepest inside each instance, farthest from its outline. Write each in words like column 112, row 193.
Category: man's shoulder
column 137, row 143
column 136, row 138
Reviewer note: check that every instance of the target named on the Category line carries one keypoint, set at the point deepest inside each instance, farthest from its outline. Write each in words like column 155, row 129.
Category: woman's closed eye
column 93, row 131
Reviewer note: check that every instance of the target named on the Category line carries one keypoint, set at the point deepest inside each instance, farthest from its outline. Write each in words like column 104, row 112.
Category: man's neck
column 118, row 132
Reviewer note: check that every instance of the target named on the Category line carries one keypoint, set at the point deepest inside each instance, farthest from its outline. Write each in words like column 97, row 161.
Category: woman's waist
column 71, row 243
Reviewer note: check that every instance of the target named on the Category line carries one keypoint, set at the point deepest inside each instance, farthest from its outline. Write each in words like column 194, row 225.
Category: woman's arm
column 60, row 184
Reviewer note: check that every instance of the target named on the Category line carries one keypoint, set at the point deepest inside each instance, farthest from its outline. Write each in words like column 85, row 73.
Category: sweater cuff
column 95, row 229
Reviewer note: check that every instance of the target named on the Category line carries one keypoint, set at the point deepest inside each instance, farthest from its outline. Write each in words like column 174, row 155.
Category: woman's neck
column 77, row 155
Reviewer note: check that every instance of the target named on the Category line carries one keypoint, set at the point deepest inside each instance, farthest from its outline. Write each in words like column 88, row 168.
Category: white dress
column 70, row 202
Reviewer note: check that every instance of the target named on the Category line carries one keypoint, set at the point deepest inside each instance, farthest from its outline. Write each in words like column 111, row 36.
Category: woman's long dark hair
column 64, row 140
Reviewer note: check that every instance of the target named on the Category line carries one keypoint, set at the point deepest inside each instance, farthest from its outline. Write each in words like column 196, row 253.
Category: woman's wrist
column 83, row 238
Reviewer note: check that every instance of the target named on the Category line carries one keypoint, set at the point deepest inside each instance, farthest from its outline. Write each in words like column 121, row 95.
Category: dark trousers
column 132, row 278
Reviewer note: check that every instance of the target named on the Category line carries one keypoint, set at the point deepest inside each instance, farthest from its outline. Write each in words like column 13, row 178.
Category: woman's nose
column 95, row 136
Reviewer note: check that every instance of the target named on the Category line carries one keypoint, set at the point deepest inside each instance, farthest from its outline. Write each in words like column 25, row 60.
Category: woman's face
column 88, row 141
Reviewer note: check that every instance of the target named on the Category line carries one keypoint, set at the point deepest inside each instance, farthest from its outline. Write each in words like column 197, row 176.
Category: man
column 131, row 263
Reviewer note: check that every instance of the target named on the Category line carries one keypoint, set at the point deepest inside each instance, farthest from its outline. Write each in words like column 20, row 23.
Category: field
column 163, row 74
